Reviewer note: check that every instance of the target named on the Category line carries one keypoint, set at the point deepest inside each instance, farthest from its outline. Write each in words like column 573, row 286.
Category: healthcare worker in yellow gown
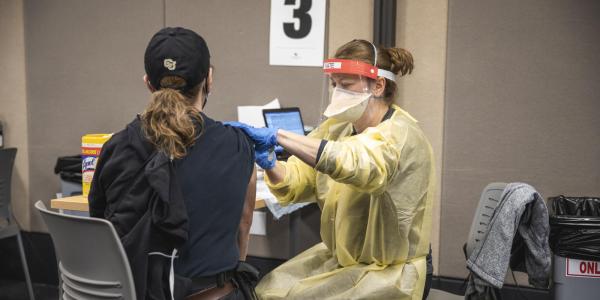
column 370, row 169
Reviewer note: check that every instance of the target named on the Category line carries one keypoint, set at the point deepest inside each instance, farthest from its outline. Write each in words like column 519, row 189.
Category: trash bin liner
column 69, row 168
column 575, row 227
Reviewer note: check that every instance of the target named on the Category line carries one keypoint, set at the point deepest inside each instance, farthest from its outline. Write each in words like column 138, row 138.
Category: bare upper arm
column 250, row 201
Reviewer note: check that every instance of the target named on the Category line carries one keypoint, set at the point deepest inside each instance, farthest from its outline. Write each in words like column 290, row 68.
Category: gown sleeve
column 368, row 161
column 299, row 182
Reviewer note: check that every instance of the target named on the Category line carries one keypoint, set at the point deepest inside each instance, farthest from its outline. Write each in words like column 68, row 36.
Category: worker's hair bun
column 401, row 61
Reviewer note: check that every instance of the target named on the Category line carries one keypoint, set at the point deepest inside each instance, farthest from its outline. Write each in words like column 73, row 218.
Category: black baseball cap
column 176, row 51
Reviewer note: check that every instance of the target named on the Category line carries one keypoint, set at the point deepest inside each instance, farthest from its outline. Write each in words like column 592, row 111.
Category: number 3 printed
column 301, row 13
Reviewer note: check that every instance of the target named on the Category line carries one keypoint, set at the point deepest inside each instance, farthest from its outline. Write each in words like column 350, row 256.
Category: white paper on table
column 252, row 114
column 278, row 211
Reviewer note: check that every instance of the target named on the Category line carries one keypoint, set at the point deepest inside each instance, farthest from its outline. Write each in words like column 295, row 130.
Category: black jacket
column 135, row 188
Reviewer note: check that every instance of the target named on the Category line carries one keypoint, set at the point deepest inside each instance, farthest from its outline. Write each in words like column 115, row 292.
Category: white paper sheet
column 278, row 211
column 252, row 115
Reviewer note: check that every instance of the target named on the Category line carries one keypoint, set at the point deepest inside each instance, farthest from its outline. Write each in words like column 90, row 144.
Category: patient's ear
column 210, row 79
column 148, row 84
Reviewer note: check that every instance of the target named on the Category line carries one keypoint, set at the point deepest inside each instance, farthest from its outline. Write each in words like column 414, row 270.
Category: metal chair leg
column 25, row 267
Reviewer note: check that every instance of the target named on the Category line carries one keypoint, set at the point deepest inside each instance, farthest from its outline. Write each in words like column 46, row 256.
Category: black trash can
column 575, row 242
column 69, row 170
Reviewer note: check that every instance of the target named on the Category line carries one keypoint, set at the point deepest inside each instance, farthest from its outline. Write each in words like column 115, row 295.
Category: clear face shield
column 350, row 85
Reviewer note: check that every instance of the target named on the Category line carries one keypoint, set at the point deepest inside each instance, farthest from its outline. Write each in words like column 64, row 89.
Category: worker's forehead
column 342, row 76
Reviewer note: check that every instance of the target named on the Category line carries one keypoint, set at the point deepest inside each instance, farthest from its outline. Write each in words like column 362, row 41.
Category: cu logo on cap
column 170, row 64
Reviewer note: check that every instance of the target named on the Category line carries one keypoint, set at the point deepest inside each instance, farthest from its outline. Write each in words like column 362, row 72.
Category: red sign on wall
column 583, row 268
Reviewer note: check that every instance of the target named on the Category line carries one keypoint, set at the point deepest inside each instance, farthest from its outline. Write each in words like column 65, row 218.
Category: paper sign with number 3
column 297, row 32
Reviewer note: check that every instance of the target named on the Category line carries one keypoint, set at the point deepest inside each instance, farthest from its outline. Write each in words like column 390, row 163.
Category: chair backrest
column 7, row 161
column 92, row 262
column 488, row 202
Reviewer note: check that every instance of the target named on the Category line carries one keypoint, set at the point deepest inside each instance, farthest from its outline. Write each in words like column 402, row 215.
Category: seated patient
column 176, row 183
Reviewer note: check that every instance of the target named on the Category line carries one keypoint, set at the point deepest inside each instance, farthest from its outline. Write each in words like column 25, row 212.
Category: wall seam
column 444, row 130
column 28, row 224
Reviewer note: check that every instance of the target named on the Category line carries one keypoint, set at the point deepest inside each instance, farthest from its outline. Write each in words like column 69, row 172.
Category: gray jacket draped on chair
column 522, row 212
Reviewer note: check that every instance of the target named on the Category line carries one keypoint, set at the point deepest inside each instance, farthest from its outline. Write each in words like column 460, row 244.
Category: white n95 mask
column 347, row 105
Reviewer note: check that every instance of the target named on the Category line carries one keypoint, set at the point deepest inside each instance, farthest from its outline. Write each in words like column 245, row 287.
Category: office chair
column 488, row 202
column 7, row 160
column 92, row 263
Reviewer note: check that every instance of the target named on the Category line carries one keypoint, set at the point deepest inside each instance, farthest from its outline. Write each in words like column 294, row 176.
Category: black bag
column 246, row 276
column 69, row 168
column 575, row 227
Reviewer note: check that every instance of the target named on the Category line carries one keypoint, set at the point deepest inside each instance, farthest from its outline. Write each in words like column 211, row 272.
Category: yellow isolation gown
column 375, row 192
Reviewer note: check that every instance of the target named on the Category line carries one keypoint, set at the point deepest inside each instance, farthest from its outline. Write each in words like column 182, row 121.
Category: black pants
column 429, row 277
column 428, row 280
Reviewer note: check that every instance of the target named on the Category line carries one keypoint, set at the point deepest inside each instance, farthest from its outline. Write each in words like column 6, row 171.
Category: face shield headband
column 346, row 66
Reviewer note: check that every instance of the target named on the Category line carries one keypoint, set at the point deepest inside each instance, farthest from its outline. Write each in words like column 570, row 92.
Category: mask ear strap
column 374, row 53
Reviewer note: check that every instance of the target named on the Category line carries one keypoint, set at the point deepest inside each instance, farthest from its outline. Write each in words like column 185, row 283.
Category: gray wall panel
column 237, row 33
column 13, row 104
column 84, row 75
column 522, row 103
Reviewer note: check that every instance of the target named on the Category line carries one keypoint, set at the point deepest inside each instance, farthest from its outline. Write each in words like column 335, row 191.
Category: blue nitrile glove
column 265, row 143
column 264, row 138
column 278, row 149
column 265, row 158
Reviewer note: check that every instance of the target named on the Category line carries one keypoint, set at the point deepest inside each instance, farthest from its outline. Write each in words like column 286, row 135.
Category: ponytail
column 400, row 60
column 168, row 122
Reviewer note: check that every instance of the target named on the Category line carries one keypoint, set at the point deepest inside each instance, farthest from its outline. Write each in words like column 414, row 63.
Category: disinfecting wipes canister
column 91, row 144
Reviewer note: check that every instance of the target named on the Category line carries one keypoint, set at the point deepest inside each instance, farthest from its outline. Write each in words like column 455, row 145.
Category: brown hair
column 168, row 121
column 397, row 60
